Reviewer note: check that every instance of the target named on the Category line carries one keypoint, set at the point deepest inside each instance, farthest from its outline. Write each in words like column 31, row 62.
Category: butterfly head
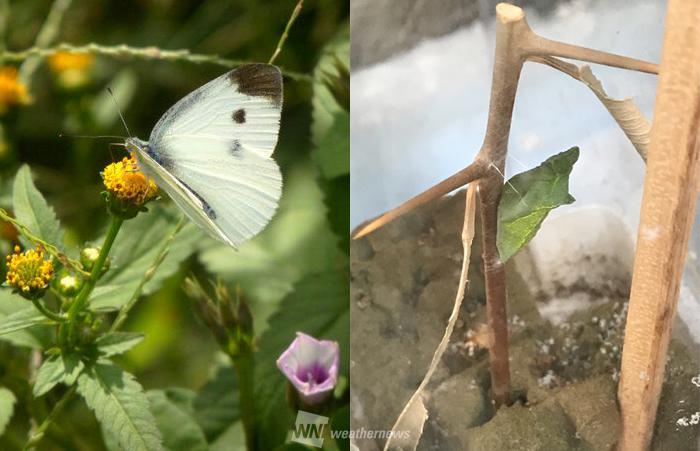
column 134, row 145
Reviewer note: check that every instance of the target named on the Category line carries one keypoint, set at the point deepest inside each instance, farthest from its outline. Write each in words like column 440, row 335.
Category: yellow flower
column 28, row 272
column 71, row 68
column 124, row 181
column 12, row 91
column 64, row 61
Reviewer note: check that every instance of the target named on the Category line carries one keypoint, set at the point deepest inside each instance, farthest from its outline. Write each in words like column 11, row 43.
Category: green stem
column 41, row 430
column 145, row 53
column 46, row 312
column 81, row 300
column 245, row 366
column 162, row 253
column 50, row 248
column 285, row 33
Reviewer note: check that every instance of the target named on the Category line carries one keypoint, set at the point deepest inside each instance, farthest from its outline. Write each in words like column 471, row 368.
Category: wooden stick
column 451, row 183
column 668, row 209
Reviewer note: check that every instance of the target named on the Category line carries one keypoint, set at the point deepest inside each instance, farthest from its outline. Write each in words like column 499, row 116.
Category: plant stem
column 245, row 367
column 666, row 219
column 283, row 38
column 46, row 312
column 41, row 430
column 162, row 253
column 50, row 248
column 145, row 53
column 472, row 172
column 81, row 300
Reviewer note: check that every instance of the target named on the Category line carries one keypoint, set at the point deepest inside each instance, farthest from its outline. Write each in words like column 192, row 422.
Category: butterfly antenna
column 119, row 111
column 63, row 135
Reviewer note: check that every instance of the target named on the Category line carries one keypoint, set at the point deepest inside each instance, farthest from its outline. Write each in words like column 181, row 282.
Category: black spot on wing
column 258, row 80
column 239, row 116
column 211, row 214
column 235, row 147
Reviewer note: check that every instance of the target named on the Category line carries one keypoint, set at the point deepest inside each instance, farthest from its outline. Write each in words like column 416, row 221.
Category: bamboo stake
column 668, row 209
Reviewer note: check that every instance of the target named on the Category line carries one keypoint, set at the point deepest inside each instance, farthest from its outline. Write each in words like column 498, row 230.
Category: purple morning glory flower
column 311, row 366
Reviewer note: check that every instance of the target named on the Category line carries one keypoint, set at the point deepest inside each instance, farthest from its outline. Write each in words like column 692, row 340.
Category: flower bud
column 88, row 257
column 67, row 283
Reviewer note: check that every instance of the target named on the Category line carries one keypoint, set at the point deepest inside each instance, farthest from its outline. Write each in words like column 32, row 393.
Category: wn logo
column 308, row 429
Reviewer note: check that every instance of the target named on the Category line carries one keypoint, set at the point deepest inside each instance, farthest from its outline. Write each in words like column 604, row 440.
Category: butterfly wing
column 211, row 152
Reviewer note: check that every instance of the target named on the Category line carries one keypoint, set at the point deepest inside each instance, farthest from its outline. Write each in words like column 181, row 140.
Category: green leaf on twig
column 216, row 405
column 173, row 411
column 33, row 337
column 114, row 343
column 22, row 319
column 64, row 368
column 121, row 406
column 7, row 407
column 527, row 199
column 32, row 210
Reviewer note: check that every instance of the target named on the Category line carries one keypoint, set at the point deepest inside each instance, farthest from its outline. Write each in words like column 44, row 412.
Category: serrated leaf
column 33, row 337
column 232, row 439
column 216, row 405
column 114, row 343
column 7, row 407
column 527, row 199
column 64, row 368
column 174, row 419
column 332, row 154
column 318, row 306
column 22, row 319
column 135, row 249
column 323, row 103
column 121, row 406
column 32, row 210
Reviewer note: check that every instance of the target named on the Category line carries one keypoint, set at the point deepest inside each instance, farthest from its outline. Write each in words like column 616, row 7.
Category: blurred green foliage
column 179, row 363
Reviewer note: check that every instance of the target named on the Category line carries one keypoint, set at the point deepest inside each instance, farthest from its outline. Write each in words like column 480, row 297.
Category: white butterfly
column 211, row 152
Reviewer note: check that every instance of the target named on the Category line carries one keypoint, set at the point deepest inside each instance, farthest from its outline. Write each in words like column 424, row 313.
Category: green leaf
column 327, row 114
column 135, row 249
column 64, row 368
column 527, row 199
column 22, row 319
column 121, row 406
column 31, row 209
column 330, row 133
column 7, row 408
column 114, row 343
column 340, row 422
column 33, row 337
column 216, row 405
column 332, row 153
column 319, row 306
column 232, row 439
column 174, row 419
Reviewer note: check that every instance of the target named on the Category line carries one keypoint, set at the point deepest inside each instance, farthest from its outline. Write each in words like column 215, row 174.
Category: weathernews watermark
column 310, row 429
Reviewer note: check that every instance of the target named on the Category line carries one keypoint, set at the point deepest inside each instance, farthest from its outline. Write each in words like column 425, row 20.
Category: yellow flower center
column 124, row 180
column 12, row 91
column 65, row 61
column 28, row 271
